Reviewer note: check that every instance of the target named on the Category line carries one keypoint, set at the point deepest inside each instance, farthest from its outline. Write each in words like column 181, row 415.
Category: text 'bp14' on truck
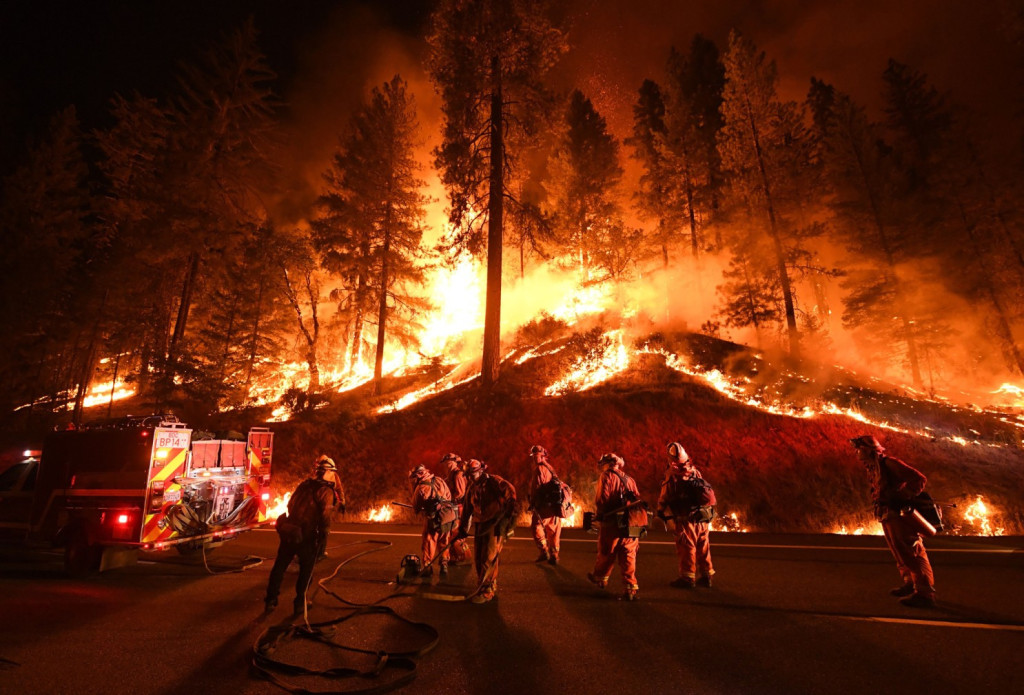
column 140, row 483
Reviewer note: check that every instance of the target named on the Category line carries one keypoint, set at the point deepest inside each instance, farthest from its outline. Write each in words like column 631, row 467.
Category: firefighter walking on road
column 490, row 505
column 617, row 540
column 457, row 485
column 546, row 522
column 303, row 533
column 689, row 501
column 430, row 497
column 894, row 484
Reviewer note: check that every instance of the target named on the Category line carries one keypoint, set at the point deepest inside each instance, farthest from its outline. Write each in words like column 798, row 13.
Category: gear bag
column 632, row 522
column 288, row 530
column 441, row 514
column 553, row 498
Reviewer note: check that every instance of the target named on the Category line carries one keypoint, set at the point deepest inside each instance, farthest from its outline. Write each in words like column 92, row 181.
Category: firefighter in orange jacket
column 326, row 469
column 303, row 533
column 430, row 497
column 490, row 504
column 689, row 503
column 893, row 485
column 546, row 522
column 457, row 485
column 615, row 490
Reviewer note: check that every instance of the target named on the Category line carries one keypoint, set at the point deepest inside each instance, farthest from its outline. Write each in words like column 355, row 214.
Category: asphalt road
column 788, row 614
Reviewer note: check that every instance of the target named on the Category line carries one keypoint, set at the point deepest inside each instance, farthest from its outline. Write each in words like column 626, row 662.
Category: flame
column 978, row 515
column 730, row 522
column 574, row 521
column 382, row 514
column 872, row 528
column 279, row 506
column 587, row 373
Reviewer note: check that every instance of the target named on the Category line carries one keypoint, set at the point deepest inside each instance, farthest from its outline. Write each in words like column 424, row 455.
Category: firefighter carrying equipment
column 440, row 512
column 553, row 498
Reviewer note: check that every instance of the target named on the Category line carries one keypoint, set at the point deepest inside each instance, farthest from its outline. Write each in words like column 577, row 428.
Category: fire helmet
column 678, row 453
column 613, row 460
column 866, row 441
column 325, row 463
column 538, row 449
column 473, row 466
column 451, row 457
column 420, row 472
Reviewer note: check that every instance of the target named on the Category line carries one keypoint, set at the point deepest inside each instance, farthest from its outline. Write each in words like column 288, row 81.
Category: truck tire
column 81, row 558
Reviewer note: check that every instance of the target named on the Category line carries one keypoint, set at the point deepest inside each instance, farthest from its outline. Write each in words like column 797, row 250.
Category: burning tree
column 371, row 217
column 487, row 58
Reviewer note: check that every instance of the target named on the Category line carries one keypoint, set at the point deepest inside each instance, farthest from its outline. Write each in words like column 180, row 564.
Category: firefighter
column 688, row 500
column 546, row 522
column 326, row 463
column 457, row 485
column 893, row 485
column 490, row 504
column 303, row 531
column 326, row 469
column 615, row 490
column 430, row 497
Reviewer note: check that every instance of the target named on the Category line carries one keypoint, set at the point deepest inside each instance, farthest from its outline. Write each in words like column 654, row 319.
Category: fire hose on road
column 402, row 662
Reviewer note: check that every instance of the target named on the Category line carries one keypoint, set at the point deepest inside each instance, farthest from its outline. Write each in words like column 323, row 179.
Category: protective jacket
column 432, row 498
column 614, row 489
column 894, row 484
column 546, row 522
column 488, row 500
column 310, row 506
column 457, row 485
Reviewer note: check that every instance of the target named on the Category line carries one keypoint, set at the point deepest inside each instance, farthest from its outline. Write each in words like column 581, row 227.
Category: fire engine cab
column 145, row 483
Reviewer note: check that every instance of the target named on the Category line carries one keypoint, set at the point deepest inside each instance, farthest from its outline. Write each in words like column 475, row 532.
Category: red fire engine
column 144, row 483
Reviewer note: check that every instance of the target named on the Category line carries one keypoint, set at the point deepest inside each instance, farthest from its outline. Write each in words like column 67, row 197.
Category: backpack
column 553, row 498
column 632, row 522
column 440, row 513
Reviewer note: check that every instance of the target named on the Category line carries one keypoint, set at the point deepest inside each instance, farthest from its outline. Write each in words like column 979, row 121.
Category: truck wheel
column 81, row 558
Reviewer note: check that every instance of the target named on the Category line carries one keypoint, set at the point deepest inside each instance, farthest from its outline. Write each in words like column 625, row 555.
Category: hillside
column 781, row 472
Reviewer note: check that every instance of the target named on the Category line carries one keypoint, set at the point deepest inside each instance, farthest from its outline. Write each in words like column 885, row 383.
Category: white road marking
column 929, row 623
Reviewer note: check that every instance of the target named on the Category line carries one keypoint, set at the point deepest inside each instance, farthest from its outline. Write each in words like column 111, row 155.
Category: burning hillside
column 773, row 441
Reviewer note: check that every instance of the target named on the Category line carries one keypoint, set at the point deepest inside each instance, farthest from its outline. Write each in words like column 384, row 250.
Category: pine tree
column 487, row 59
column 862, row 180
column 761, row 144
column 372, row 222
column 582, row 194
column 649, row 132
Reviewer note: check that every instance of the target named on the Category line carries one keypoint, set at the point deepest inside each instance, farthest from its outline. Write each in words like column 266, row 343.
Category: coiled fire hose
column 403, row 662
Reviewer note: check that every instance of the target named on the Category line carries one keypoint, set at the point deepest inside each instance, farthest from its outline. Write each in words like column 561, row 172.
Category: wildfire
column 279, row 506
column 978, row 515
column 381, row 514
column 587, row 373
column 574, row 521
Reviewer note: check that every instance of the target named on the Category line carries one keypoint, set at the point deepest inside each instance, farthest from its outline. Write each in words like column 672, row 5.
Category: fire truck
column 144, row 483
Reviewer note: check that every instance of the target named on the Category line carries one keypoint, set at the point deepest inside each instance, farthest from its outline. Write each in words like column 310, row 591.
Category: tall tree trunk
column 89, row 366
column 311, row 337
column 254, row 342
column 491, row 358
column 382, row 309
column 780, row 253
column 113, row 381
column 184, row 305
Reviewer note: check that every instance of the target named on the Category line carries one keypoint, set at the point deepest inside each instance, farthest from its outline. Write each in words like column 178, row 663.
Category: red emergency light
column 265, row 496
column 122, row 518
